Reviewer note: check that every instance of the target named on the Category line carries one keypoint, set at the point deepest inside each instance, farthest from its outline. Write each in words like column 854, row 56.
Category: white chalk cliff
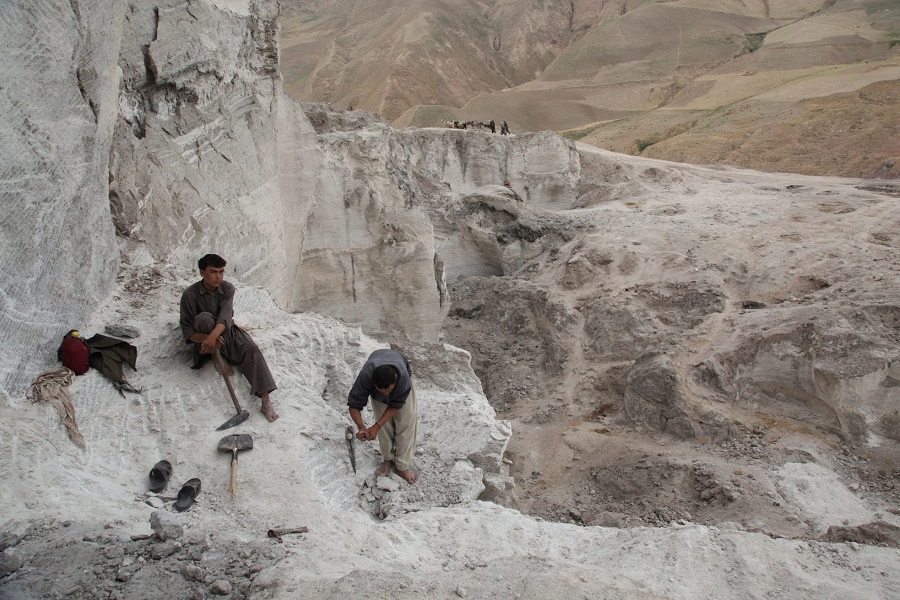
column 140, row 135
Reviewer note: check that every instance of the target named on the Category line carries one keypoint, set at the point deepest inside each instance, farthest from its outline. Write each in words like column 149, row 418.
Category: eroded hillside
column 792, row 88
column 698, row 331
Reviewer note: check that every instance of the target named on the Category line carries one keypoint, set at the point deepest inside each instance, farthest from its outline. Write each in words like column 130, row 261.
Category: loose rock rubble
column 190, row 567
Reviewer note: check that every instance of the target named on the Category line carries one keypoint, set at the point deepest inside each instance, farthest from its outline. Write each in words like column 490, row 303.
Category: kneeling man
column 387, row 379
column 207, row 322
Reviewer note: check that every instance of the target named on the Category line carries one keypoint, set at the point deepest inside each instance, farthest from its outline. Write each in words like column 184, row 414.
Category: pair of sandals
column 159, row 477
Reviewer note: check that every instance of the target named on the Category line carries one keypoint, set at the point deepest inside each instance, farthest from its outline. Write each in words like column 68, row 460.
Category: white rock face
column 208, row 153
column 58, row 254
column 367, row 255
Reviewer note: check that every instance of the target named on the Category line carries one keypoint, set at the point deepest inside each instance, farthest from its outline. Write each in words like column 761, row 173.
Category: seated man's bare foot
column 384, row 468
column 270, row 413
column 410, row 475
column 268, row 410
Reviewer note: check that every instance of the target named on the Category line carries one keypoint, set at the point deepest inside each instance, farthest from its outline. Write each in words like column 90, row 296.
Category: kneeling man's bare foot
column 410, row 475
column 267, row 409
column 384, row 468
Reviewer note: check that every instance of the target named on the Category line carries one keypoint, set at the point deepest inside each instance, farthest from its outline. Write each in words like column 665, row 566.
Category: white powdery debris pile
column 437, row 540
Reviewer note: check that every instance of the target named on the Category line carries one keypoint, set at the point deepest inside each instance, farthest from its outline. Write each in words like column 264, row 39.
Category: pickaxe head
column 235, row 420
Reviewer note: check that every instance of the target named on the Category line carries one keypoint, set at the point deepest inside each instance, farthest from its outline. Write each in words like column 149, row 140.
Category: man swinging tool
column 207, row 311
column 387, row 379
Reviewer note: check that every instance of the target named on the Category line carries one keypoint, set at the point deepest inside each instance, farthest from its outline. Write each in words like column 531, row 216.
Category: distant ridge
column 812, row 87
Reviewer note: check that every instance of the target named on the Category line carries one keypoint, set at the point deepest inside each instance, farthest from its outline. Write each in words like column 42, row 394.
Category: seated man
column 387, row 379
column 207, row 311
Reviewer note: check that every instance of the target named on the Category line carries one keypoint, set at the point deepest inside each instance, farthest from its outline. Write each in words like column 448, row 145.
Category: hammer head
column 236, row 441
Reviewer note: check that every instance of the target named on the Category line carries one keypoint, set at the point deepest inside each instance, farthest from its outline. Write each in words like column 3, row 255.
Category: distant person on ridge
column 387, row 379
column 207, row 323
column 504, row 128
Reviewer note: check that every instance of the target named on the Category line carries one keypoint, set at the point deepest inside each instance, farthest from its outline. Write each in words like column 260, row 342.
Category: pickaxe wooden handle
column 223, row 369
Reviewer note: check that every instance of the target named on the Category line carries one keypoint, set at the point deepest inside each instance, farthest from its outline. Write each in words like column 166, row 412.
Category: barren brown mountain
column 810, row 87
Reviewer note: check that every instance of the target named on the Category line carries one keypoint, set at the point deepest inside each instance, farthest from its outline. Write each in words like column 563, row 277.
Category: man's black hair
column 384, row 376
column 211, row 260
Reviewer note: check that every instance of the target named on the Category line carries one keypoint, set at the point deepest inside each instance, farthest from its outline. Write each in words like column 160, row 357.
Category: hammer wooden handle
column 233, row 473
column 277, row 533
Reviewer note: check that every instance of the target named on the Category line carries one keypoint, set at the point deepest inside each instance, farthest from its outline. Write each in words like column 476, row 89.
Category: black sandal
column 187, row 494
column 159, row 476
